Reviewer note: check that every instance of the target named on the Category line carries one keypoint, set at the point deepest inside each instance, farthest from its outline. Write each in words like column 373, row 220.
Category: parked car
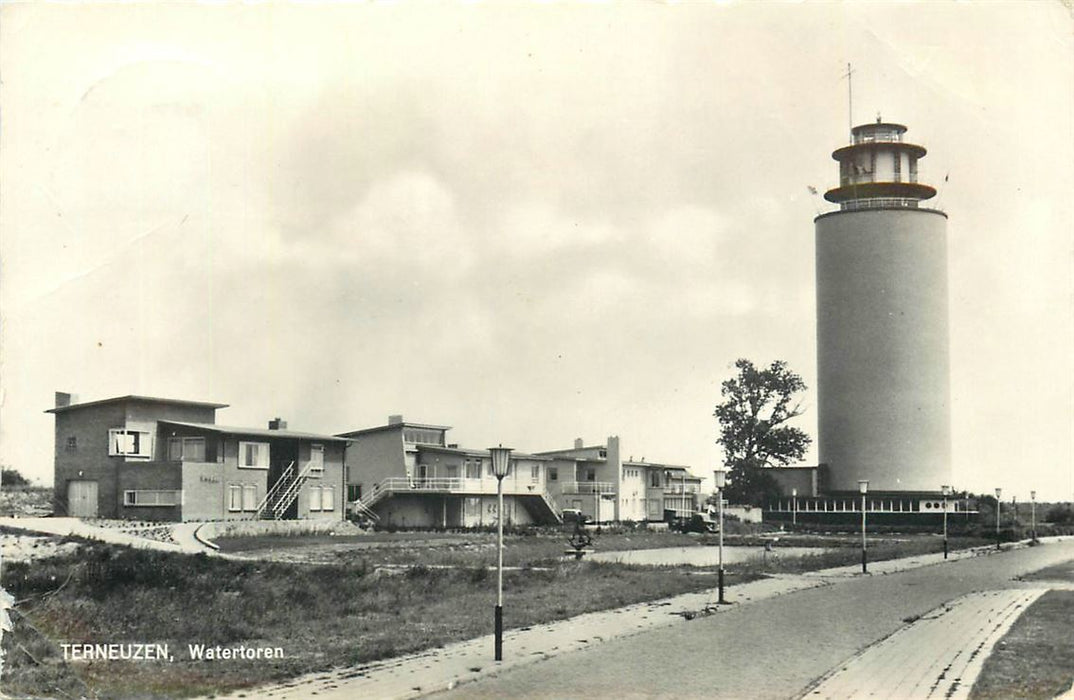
column 698, row 522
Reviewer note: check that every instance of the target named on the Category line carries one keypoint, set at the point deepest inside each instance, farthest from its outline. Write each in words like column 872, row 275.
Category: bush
column 1060, row 515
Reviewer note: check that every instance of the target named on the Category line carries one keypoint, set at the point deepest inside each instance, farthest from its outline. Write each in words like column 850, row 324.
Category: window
column 419, row 436
column 234, row 497
column 354, row 492
column 535, row 472
column 186, row 449
column 590, row 474
column 473, row 469
column 553, row 473
column 129, row 443
column 249, row 497
column 72, row 443
column 328, row 498
column 254, row 455
column 654, row 479
column 317, row 459
column 315, row 498
column 151, row 498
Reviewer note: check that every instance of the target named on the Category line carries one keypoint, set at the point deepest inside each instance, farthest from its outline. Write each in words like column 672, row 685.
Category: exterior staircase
column 283, row 493
column 363, row 511
column 545, row 508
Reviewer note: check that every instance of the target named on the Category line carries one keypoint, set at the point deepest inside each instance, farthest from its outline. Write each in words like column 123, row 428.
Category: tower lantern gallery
column 882, row 326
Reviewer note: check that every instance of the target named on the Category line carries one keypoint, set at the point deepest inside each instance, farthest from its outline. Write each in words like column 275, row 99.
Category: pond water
column 699, row 556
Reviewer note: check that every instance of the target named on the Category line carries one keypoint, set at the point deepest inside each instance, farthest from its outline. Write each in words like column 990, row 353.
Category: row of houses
column 147, row 458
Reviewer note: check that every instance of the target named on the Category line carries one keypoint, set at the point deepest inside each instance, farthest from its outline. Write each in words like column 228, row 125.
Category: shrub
column 1060, row 515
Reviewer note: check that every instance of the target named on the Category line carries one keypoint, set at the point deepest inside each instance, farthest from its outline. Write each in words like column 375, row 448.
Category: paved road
column 774, row 648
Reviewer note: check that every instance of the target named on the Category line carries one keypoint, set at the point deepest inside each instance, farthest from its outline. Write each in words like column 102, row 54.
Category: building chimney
column 277, row 423
column 578, row 443
column 395, row 420
column 63, row 399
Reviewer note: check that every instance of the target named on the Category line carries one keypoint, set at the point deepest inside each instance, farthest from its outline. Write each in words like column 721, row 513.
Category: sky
column 532, row 222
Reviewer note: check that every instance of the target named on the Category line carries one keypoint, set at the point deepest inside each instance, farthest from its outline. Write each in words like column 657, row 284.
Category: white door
column 82, row 499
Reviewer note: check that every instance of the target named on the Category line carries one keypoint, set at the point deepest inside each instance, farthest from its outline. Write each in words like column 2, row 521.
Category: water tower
column 882, row 336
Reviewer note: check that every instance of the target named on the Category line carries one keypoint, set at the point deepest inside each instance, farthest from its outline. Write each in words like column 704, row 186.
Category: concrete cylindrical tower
column 882, row 337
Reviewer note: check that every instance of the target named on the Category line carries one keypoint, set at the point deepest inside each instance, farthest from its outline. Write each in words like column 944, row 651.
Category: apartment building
column 597, row 480
column 148, row 458
column 408, row 475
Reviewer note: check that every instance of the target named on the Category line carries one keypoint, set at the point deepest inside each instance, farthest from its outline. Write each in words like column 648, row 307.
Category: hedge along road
column 773, row 648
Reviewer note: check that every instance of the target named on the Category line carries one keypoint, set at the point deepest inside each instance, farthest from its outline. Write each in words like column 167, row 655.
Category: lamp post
column 794, row 508
column 720, row 477
column 999, row 494
column 946, row 492
column 501, row 464
column 1033, row 513
column 863, row 487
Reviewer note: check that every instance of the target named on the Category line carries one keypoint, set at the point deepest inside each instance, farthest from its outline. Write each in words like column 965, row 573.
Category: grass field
column 342, row 613
column 1036, row 657
column 547, row 547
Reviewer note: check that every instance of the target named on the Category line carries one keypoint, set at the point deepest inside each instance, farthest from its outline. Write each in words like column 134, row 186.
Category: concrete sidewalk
column 182, row 534
column 444, row 669
column 938, row 655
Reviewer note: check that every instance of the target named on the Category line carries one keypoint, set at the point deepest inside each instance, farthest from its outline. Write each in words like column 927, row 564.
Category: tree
column 757, row 403
column 12, row 477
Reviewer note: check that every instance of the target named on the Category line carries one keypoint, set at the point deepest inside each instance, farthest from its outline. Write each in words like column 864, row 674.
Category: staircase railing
column 364, row 510
column 553, row 506
column 290, row 492
column 270, row 496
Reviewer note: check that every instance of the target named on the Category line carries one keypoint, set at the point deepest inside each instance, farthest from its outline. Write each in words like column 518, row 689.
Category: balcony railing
column 672, row 489
column 448, row 484
column 587, row 487
column 457, row 485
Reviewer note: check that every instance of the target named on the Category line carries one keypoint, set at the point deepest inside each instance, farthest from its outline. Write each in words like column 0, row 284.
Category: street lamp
column 1033, row 512
column 720, row 477
column 794, row 508
column 863, row 487
column 999, row 494
column 501, row 464
column 946, row 492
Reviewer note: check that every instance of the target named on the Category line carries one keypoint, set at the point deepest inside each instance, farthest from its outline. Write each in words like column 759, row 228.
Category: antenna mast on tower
column 850, row 103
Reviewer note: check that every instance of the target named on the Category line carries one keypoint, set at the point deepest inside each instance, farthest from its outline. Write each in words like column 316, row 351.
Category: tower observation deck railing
column 881, row 136
column 846, row 180
column 880, row 203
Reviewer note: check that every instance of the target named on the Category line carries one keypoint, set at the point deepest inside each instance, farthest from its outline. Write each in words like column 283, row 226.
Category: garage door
column 82, row 499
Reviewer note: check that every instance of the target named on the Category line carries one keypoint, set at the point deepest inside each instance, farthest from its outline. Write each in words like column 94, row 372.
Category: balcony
column 672, row 489
column 459, row 485
column 587, row 487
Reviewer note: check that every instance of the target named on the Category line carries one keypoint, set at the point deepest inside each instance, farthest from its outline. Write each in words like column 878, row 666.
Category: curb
column 205, row 540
